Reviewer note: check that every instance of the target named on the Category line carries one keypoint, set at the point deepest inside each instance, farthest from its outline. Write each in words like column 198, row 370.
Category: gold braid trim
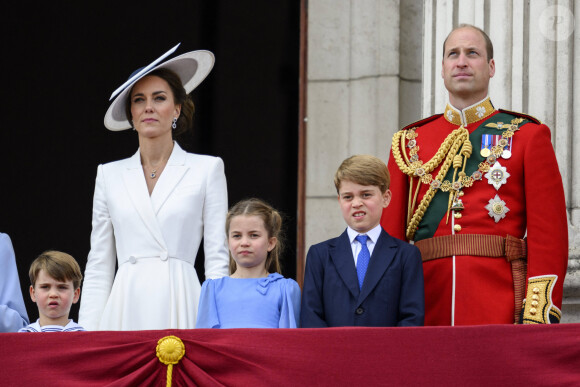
column 538, row 302
column 414, row 167
column 418, row 168
column 448, row 150
column 462, row 135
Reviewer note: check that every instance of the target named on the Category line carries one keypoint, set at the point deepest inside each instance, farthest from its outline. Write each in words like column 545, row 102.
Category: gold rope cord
column 170, row 350
column 448, row 149
column 410, row 168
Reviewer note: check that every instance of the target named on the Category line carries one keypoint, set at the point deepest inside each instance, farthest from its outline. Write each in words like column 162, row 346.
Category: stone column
column 354, row 88
column 537, row 52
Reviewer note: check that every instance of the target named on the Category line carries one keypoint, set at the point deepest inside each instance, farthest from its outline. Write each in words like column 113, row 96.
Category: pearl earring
column 174, row 124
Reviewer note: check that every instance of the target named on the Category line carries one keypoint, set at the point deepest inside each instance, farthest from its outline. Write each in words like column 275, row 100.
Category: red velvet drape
column 499, row 355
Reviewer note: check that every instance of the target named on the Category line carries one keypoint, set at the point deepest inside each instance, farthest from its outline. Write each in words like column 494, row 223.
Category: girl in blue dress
column 255, row 295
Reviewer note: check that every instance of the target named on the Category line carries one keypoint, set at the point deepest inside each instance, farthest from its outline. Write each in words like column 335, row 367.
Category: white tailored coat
column 154, row 240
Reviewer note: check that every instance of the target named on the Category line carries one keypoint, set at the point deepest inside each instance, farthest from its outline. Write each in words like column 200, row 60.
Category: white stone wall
column 356, row 74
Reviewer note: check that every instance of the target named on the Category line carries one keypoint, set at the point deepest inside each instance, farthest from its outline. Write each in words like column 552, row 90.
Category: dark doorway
column 61, row 64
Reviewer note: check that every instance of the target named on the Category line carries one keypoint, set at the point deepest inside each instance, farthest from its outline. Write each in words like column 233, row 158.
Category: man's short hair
column 60, row 266
column 363, row 170
column 488, row 43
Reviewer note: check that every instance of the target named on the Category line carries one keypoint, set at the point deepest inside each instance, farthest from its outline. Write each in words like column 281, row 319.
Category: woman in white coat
column 150, row 211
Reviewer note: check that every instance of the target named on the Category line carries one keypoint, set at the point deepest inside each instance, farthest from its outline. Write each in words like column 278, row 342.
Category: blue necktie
column 362, row 261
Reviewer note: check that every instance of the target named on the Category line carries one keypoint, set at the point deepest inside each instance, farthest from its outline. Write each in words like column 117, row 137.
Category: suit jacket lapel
column 170, row 178
column 136, row 187
column 342, row 257
column 383, row 255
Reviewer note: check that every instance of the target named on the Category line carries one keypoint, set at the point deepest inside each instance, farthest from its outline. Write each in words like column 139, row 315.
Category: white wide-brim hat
column 191, row 67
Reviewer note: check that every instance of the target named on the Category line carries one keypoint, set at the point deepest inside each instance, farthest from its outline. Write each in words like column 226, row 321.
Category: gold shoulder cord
column 413, row 167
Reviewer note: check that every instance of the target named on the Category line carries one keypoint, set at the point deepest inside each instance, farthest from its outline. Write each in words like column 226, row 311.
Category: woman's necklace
column 153, row 173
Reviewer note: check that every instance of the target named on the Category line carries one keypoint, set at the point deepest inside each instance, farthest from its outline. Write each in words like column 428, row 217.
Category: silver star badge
column 497, row 208
column 497, row 175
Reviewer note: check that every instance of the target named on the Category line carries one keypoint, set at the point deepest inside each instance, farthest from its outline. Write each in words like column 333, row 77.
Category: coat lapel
column 383, row 255
column 170, row 178
column 136, row 187
column 342, row 257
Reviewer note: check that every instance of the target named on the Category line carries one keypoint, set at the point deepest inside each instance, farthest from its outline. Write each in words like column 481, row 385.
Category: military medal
column 497, row 175
column 503, row 146
column 507, row 148
column 496, row 208
column 486, row 141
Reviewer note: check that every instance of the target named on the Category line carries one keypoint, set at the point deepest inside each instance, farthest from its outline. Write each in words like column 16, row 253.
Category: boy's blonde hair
column 363, row 170
column 272, row 223
column 60, row 266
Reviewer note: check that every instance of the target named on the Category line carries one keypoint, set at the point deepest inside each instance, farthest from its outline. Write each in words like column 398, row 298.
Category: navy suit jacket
column 392, row 293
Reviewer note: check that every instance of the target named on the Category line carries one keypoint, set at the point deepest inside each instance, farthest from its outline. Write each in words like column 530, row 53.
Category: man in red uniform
column 479, row 192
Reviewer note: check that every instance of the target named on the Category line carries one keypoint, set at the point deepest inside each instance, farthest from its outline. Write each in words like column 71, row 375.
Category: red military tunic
column 524, row 197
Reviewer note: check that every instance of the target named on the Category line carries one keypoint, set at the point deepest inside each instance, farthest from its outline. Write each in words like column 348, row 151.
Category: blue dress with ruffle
column 270, row 302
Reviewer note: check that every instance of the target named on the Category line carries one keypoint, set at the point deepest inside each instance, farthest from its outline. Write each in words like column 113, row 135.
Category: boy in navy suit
column 364, row 277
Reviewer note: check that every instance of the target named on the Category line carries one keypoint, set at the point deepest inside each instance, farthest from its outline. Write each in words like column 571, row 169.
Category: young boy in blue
column 55, row 279
column 364, row 277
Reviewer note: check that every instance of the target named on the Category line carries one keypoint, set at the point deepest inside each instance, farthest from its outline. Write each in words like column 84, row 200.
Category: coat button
column 359, row 311
column 457, row 227
column 164, row 255
column 132, row 259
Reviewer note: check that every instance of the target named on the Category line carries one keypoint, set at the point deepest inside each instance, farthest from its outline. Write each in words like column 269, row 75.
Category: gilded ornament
column 426, row 178
column 497, row 150
column 457, row 205
column 435, row 184
column 446, row 186
column 483, row 167
column 170, row 350
column 411, row 134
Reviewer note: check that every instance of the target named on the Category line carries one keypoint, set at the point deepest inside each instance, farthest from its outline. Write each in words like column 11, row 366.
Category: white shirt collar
column 373, row 233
